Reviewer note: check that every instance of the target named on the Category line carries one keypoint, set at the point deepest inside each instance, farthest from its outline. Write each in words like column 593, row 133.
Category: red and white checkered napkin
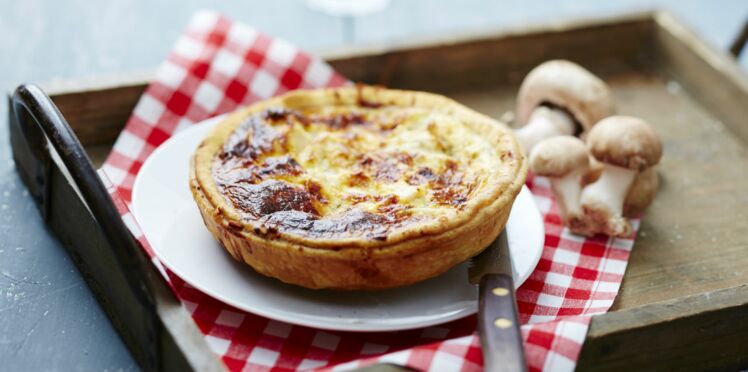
column 218, row 65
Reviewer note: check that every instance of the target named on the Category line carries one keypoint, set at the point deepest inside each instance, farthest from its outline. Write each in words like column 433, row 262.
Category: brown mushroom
column 625, row 146
column 560, row 97
column 564, row 160
column 642, row 192
column 593, row 172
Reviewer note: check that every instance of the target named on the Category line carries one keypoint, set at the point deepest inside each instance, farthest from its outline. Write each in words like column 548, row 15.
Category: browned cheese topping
column 359, row 171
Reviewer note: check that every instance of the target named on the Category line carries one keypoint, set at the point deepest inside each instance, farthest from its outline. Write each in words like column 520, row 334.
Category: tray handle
column 736, row 48
column 38, row 130
column 47, row 126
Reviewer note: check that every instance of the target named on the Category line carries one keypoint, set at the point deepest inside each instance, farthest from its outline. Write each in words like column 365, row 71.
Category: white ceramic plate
column 164, row 207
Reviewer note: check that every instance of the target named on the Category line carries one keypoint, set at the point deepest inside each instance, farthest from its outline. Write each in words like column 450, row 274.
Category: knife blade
column 498, row 321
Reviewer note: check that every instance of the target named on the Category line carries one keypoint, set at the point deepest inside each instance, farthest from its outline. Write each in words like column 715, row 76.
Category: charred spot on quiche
column 364, row 102
column 358, row 178
column 280, row 165
column 340, row 121
column 268, row 197
column 354, row 222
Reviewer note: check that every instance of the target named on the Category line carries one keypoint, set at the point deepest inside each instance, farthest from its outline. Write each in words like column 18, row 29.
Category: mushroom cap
column 642, row 192
column 558, row 156
column 593, row 172
column 558, row 118
column 566, row 85
column 625, row 141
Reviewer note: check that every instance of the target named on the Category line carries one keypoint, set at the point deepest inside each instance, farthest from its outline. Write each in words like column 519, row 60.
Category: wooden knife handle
column 498, row 325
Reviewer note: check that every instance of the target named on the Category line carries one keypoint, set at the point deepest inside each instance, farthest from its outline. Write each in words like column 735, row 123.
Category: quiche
column 357, row 187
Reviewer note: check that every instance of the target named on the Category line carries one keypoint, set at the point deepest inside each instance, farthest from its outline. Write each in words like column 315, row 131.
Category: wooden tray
column 684, row 298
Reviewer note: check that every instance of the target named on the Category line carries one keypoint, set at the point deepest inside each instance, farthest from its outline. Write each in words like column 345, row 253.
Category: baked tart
column 356, row 187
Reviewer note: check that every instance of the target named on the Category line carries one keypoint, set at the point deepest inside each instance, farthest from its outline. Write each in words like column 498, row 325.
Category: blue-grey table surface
column 48, row 317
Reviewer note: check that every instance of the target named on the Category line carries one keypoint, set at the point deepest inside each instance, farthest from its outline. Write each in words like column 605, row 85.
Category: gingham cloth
column 217, row 65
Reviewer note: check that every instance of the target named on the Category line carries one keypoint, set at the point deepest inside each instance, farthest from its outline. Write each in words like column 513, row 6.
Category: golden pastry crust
column 357, row 187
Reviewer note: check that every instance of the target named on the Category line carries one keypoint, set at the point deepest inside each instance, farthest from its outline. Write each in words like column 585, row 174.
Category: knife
column 498, row 323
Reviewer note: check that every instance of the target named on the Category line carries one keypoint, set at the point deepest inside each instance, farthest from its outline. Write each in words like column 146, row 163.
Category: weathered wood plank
column 707, row 331
column 97, row 109
column 480, row 60
column 710, row 75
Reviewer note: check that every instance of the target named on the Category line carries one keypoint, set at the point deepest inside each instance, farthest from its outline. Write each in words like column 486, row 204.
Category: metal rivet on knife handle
column 499, row 291
column 502, row 323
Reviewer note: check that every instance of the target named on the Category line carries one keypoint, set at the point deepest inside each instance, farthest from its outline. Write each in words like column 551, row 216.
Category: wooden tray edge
column 140, row 79
column 699, row 332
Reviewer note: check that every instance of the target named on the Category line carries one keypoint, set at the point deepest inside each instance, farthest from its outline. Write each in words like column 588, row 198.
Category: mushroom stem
column 568, row 190
column 544, row 122
column 603, row 199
